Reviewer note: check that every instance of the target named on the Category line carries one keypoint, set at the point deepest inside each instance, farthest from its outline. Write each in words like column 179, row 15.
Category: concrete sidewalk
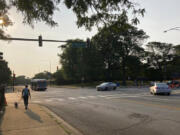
column 37, row 120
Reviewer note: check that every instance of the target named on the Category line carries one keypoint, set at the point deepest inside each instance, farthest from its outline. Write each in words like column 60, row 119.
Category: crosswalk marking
column 72, row 98
column 120, row 97
column 60, row 99
column 102, row 96
column 91, row 96
column 112, row 96
column 83, row 97
column 48, row 100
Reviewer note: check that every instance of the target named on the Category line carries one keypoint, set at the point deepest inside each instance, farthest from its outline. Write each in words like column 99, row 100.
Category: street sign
column 78, row 44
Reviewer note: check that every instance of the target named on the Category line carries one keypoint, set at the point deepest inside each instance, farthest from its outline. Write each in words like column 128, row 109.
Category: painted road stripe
column 71, row 98
column 102, row 96
column 83, row 97
column 48, row 100
column 91, row 96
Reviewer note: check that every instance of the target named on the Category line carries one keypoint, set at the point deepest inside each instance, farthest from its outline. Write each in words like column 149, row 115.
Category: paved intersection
column 124, row 111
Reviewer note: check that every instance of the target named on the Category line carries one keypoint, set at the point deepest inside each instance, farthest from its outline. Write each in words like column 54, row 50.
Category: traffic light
column 40, row 41
column 1, row 57
column 63, row 46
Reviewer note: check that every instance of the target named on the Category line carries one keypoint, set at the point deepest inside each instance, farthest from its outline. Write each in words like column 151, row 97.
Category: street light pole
column 174, row 28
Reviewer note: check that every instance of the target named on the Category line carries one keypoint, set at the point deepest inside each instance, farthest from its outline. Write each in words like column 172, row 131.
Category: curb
column 64, row 125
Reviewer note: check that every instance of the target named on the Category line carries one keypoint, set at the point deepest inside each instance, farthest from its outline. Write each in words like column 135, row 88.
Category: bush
column 2, row 97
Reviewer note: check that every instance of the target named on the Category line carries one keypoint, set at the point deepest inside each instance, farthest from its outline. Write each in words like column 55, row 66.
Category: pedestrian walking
column 25, row 95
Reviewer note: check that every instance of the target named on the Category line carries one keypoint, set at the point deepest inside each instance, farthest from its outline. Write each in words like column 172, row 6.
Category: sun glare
column 1, row 21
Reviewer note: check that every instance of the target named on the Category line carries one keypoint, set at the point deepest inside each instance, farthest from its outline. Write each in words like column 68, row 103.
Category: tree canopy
column 88, row 12
column 43, row 75
column 22, row 80
column 80, row 62
column 117, row 42
column 5, row 73
column 159, row 54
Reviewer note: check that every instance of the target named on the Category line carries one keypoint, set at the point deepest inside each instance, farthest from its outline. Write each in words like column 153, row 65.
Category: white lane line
column 48, row 100
column 117, row 95
column 71, row 98
column 60, row 99
column 101, row 95
column 83, row 97
column 91, row 96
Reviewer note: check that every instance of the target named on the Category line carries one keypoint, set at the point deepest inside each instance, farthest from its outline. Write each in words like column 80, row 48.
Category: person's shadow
column 33, row 116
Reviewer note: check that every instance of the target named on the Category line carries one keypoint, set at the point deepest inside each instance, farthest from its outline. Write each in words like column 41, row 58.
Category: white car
column 106, row 86
column 160, row 88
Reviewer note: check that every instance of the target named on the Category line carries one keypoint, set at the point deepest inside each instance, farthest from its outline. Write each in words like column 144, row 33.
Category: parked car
column 173, row 84
column 106, row 86
column 160, row 88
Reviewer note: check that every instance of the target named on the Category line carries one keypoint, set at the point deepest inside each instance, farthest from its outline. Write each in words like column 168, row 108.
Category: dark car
column 173, row 84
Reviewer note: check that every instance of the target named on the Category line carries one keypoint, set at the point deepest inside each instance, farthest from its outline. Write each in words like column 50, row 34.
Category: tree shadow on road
column 33, row 115
column 2, row 112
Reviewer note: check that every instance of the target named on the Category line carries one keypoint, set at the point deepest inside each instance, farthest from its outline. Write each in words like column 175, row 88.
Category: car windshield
column 161, row 84
column 104, row 83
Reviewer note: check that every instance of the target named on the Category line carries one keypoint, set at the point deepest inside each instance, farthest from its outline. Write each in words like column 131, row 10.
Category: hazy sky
column 26, row 58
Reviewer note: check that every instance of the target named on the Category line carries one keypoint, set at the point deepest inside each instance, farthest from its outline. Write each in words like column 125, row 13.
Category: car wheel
column 168, row 94
column 106, row 88
column 114, row 88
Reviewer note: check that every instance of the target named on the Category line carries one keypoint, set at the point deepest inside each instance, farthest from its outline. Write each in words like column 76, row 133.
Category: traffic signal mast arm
column 40, row 40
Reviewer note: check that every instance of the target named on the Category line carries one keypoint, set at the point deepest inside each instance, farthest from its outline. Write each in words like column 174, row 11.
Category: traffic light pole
column 40, row 40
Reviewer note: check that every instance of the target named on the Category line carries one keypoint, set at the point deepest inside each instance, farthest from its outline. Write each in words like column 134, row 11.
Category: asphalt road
column 126, row 111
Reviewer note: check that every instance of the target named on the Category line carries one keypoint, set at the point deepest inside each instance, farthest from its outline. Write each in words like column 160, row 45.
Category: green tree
column 5, row 73
column 71, row 61
column 174, row 65
column 81, row 63
column 43, row 75
column 59, row 77
column 22, row 80
column 117, row 43
column 159, row 55
column 177, row 50
column 88, row 12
